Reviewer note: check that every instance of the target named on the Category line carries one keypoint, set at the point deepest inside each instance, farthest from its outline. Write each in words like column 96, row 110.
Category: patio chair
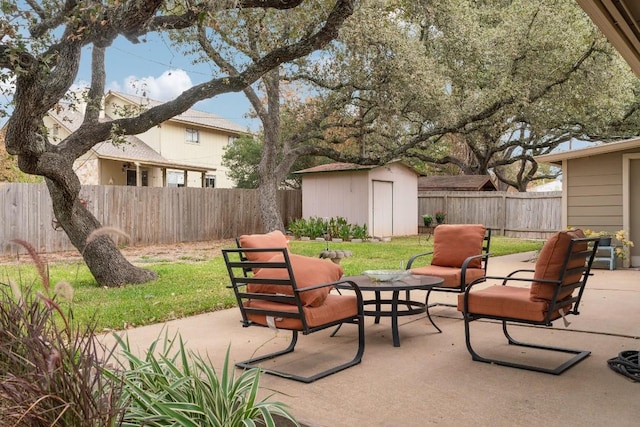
column 460, row 256
column 291, row 292
column 553, row 291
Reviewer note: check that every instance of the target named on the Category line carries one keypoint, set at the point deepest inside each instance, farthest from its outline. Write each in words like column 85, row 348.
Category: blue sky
column 164, row 74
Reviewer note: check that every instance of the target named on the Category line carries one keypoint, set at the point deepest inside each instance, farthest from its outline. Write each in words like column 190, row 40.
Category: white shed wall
column 344, row 194
column 349, row 194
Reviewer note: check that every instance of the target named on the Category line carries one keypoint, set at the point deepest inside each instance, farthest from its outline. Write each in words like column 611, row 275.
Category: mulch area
column 183, row 252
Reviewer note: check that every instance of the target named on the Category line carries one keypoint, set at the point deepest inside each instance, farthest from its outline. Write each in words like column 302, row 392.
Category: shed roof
column 456, row 183
column 611, row 147
column 345, row 167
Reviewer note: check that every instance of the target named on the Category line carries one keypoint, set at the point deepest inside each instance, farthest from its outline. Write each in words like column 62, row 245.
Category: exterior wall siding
column 594, row 192
column 342, row 194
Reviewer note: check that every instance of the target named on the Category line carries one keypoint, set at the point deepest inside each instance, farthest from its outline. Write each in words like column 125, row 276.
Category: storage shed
column 385, row 198
column 601, row 188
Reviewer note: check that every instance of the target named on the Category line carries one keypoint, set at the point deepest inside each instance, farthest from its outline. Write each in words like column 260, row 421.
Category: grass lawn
column 191, row 287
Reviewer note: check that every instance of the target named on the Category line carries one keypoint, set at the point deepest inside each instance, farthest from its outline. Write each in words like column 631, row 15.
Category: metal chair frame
column 240, row 272
column 554, row 305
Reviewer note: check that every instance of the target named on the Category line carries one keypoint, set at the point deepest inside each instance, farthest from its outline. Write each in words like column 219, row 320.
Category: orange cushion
column 451, row 275
column 307, row 271
column 335, row 307
column 549, row 264
column 273, row 239
column 506, row 301
column 453, row 243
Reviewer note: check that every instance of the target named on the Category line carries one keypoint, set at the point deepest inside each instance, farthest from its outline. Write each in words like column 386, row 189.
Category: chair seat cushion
column 454, row 243
column 451, row 275
column 307, row 271
column 335, row 307
column 505, row 301
column 273, row 239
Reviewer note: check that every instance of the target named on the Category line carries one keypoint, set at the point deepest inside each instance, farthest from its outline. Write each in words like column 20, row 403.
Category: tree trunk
column 268, row 169
column 103, row 258
column 268, row 202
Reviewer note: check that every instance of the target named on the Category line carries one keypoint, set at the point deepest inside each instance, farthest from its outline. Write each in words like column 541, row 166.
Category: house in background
column 601, row 188
column 385, row 198
column 456, row 183
column 185, row 150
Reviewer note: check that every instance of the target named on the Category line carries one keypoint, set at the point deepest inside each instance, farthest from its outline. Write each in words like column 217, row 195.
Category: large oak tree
column 41, row 44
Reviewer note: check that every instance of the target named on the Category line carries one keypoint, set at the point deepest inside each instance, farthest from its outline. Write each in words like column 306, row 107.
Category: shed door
column 382, row 209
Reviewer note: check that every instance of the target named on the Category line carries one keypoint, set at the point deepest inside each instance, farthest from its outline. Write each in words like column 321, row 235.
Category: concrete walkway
column 431, row 379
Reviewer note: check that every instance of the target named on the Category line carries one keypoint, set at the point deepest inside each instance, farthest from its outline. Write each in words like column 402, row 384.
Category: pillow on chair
column 273, row 239
column 549, row 264
column 453, row 243
column 307, row 271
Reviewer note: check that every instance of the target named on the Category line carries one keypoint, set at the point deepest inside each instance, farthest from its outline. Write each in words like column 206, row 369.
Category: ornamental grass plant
column 51, row 367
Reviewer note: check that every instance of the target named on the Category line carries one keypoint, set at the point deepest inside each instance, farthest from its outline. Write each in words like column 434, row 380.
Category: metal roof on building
column 456, row 183
column 346, row 167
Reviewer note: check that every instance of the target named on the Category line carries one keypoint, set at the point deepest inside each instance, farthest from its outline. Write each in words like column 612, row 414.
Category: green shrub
column 337, row 227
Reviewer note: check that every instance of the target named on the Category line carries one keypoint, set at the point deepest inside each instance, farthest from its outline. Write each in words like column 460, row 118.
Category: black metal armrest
column 466, row 262
column 510, row 278
column 413, row 258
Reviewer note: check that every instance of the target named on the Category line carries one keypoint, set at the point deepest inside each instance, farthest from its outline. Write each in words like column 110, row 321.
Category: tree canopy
column 480, row 86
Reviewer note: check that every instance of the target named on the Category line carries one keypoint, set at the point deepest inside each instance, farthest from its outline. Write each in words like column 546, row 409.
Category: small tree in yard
column 41, row 45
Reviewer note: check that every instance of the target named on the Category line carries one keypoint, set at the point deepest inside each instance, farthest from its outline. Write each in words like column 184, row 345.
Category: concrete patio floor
column 431, row 380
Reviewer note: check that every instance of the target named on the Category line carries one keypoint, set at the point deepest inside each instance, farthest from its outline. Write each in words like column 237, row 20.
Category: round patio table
column 395, row 307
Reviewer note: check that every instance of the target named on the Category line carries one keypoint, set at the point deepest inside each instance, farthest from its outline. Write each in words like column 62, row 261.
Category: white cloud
column 163, row 88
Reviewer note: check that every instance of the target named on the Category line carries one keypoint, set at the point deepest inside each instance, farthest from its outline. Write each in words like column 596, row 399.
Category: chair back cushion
column 550, row 262
column 307, row 271
column 453, row 243
column 273, row 239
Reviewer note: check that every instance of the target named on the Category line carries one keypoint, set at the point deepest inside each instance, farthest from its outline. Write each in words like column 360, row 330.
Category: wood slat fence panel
column 171, row 215
column 149, row 215
column 523, row 215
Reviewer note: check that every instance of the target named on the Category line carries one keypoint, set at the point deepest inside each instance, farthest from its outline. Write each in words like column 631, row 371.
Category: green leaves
column 172, row 386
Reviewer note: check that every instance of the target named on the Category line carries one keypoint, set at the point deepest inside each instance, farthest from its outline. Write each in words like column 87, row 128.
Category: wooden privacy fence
column 155, row 215
column 149, row 215
column 522, row 215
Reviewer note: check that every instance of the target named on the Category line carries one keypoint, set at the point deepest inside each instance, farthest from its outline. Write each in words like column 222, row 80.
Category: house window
column 132, row 177
column 193, row 136
column 210, row 181
column 175, row 179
